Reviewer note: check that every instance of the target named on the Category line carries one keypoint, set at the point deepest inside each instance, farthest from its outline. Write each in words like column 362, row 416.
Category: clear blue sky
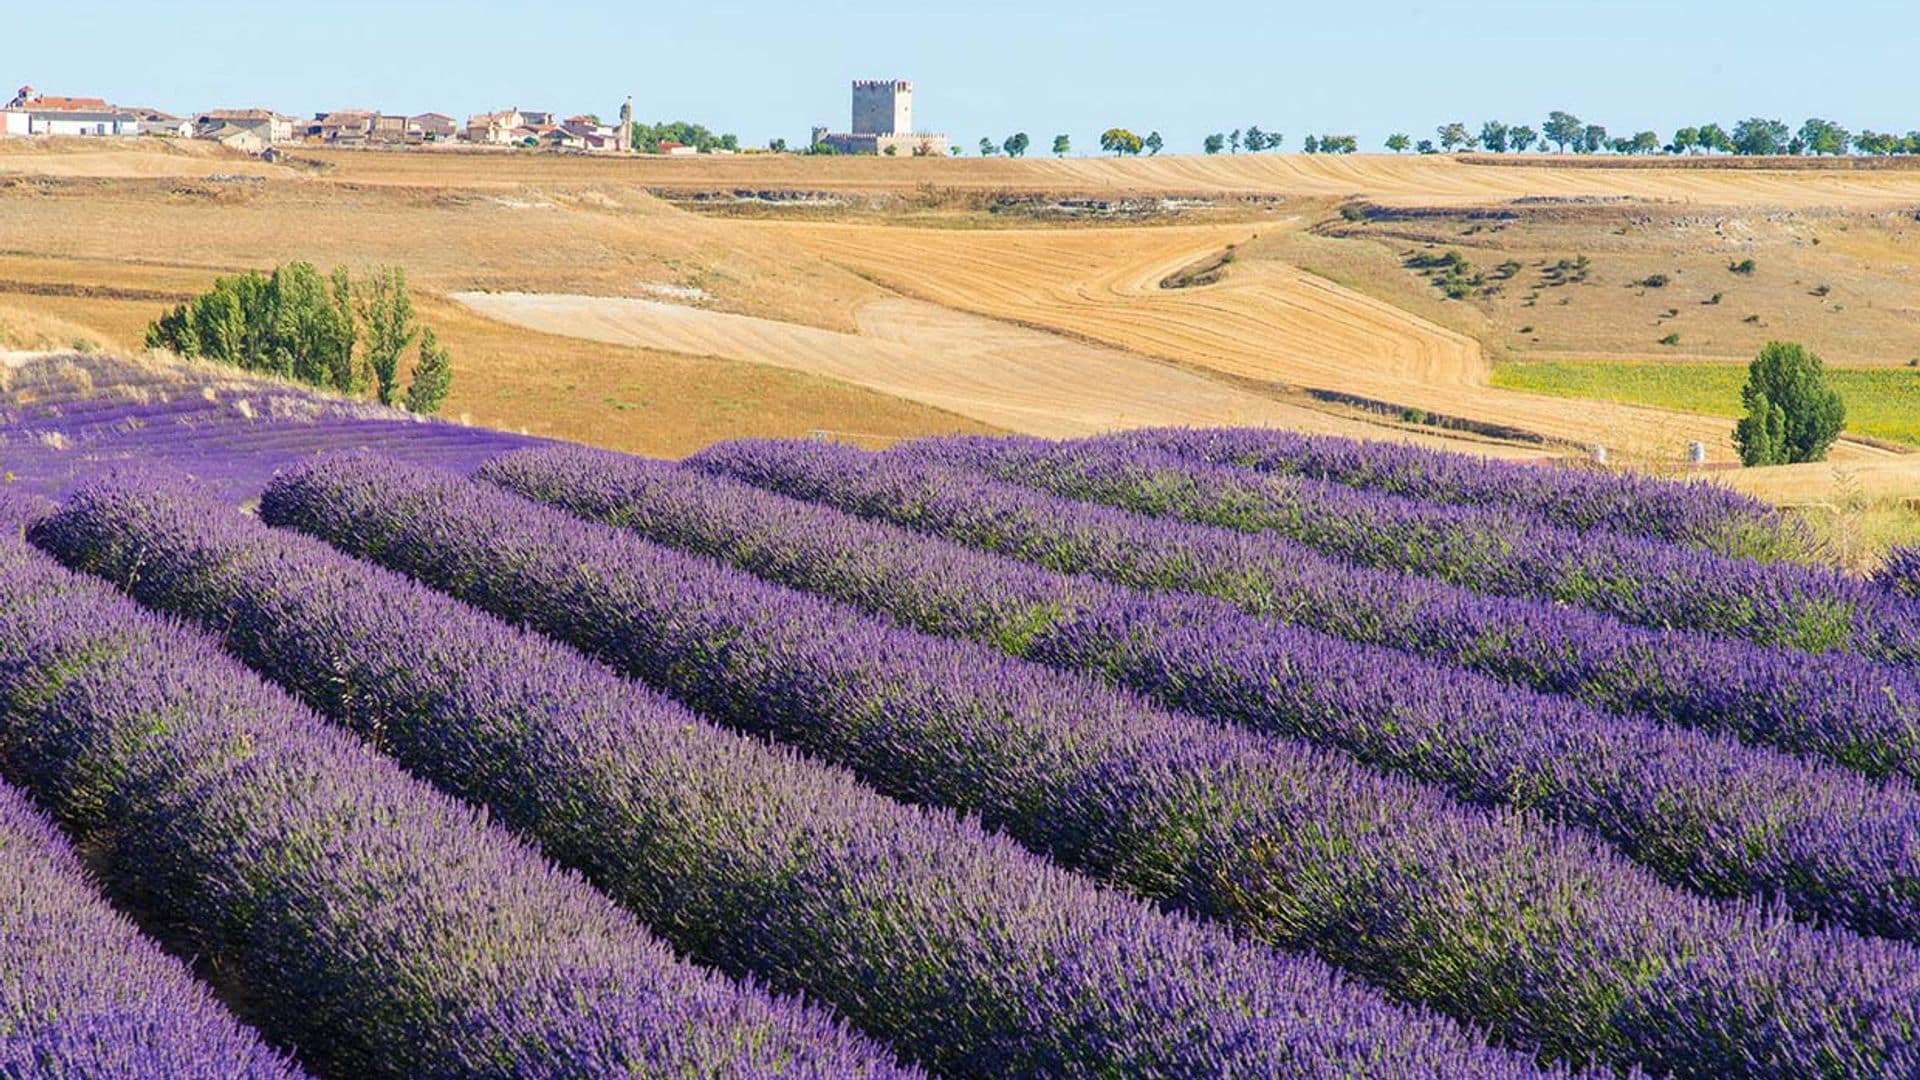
column 763, row 68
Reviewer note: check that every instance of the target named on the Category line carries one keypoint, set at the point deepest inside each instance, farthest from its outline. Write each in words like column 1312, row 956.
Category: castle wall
column 902, row 145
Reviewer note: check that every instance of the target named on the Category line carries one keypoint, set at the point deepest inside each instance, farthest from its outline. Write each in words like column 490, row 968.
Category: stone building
column 883, row 123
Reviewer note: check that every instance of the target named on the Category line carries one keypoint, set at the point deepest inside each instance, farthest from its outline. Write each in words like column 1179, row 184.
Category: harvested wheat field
column 1410, row 179
column 1265, row 321
column 990, row 371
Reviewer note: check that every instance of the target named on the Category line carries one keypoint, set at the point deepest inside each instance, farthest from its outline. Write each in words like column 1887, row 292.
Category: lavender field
column 335, row 742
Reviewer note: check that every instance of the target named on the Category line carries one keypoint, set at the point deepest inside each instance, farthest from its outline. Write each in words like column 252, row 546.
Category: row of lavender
column 1552, row 940
column 66, row 419
column 368, row 923
column 84, row 993
column 744, row 856
column 1700, row 810
column 1853, row 711
column 1490, row 550
column 1700, row 515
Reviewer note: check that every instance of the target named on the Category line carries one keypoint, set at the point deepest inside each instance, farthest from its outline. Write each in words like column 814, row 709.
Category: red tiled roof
column 68, row 104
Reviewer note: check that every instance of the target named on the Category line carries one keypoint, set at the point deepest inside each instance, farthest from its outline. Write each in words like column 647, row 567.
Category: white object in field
column 1599, row 454
column 1697, row 453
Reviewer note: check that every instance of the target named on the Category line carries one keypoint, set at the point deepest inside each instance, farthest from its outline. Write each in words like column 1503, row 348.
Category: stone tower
column 882, row 107
column 626, row 126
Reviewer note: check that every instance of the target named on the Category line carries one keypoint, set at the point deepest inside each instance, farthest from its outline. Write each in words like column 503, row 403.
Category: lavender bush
column 83, row 992
column 1860, row 714
column 1700, row 810
column 1699, row 514
column 746, row 856
column 1901, row 574
column 1550, row 939
column 1494, row 551
column 373, row 925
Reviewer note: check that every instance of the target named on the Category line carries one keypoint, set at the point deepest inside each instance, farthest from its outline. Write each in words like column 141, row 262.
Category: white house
column 71, row 115
column 496, row 128
column 270, row 126
column 83, row 122
column 156, row 122
column 244, row 139
column 14, row 122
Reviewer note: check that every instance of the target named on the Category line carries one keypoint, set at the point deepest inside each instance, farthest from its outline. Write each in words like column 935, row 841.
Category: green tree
column 1062, row 146
column 300, row 325
column 1398, row 142
column 1214, row 143
column 387, row 319
column 987, row 149
column 1522, row 137
column 1312, row 145
column 778, row 146
column 1016, row 144
column 1233, row 140
column 648, row 137
column 1425, row 146
column 1644, row 142
column 1713, row 137
column 311, row 327
column 1453, row 135
column 1824, row 137
column 1153, row 142
column 1339, row 144
column 432, row 376
column 1792, row 416
column 1684, row 140
column 1255, row 140
column 1120, row 141
column 1593, row 139
column 1755, row 136
column 1494, row 136
column 1563, row 129
column 1873, row 142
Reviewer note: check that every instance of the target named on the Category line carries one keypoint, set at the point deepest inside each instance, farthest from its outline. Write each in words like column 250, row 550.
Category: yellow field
column 1267, row 322
column 990, row 371
column 647, row 325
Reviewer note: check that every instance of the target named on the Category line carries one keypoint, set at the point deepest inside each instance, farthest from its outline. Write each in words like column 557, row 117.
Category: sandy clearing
column 1267, row 321
column 997, row 373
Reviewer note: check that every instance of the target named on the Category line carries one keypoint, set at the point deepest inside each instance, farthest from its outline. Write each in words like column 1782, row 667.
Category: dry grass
column 1847, row 285
column 993, row 372
column 143, row 218
column 38, row 329
column 1267, row 321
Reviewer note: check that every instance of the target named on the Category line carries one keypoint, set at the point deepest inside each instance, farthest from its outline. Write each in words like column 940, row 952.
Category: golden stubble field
column 970, row 320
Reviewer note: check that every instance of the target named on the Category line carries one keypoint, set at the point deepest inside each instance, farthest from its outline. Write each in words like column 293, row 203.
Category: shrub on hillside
column 1792, row 414
column 331, row 332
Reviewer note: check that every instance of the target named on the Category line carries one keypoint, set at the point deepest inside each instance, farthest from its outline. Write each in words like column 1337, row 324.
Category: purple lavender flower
column 1852, row 711
column 1702, row 811
column 83, row 992
column 1901, row 573
column 1492, row 550
column 1546, row 936
column 370, row 923
column 746, row 856
column 1700, row 514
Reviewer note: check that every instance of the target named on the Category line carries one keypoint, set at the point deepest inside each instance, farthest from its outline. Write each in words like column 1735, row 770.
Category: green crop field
column 1881, row 402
